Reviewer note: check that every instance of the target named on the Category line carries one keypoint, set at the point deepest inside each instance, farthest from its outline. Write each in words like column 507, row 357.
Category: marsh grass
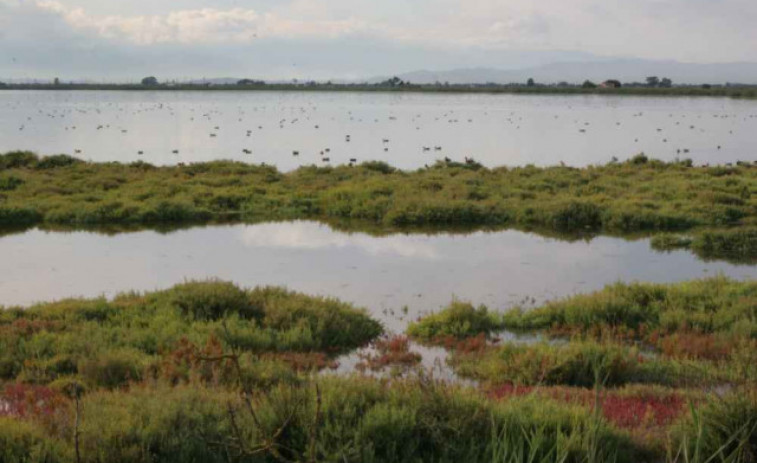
column 640, row 310
column 111, row 343
column 617, row 197
column 737, row 245
column 459, row 320
column 358, row 420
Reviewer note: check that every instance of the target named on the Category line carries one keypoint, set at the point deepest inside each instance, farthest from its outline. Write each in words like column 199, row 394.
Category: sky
column 352, row 39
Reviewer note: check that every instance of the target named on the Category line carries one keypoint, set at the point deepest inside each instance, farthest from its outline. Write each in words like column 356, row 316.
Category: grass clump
column 638, row 310
column 577, row 363
column 738, row 245
column 670, row 242
column 735, row 244
column 723, row 429
column 458, row 320
column 214, row 300
column 164, row 334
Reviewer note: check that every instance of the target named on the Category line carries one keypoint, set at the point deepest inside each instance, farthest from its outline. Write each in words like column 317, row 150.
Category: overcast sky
column 126, row 39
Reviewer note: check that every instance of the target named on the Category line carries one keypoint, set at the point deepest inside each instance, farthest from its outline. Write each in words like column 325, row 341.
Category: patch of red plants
column 469, row 345
column 187, row 361
column 392, row 351
column 689, row 344
column 627, row 411
column 26, row 327
column 24, row 401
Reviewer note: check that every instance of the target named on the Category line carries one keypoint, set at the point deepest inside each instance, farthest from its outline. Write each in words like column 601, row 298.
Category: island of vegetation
column 711, row 209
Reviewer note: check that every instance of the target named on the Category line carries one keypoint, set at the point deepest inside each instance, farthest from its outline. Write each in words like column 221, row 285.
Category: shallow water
column 493, row 129
column 384, row 274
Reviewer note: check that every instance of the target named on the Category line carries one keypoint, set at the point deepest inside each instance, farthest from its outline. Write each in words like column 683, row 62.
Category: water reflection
column 382, row 273
column 303, row 235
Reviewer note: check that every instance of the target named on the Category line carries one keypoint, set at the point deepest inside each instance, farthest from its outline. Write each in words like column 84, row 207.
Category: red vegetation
column 628, row 411
column 187, row 361
column 393, row 351
column 693, row 345
column 27, row 401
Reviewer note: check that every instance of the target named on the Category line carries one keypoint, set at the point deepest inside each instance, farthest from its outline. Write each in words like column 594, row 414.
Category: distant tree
column 588, row 84
column 3, row 84
column 612, row 83
column 250, row 82
column 666, row 83
column 653, row 81
column 563, row 84
column 706, row 86
column 150, row 81
column 530, row 82
column 56, row 81
column 393, row 82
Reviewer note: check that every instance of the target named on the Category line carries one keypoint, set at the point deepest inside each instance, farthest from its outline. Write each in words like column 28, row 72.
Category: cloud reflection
column 314, row 236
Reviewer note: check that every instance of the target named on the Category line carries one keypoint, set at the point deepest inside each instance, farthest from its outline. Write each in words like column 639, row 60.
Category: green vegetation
column 644, row 311
column 737, row 245
column 583, row 363
column 162, row 334
column 637, row 195
column 652, row 353
column 353, row 420
column 458, row 320
column 206, row 371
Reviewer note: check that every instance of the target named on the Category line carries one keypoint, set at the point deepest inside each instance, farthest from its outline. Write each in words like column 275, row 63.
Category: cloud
column 200, row 26
column 332, row 39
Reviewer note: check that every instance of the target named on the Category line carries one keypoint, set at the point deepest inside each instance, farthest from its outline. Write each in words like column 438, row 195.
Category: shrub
column 378, row 166
column 458, row 320
column 16, row 159
column 113, row 369
column 213, row 300
column 56, row 161
column 328, row 324
column 9, row 182
column 23, row 442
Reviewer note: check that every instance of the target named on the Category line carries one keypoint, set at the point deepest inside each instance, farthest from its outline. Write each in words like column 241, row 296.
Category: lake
column 406, row 130
column 422, row 272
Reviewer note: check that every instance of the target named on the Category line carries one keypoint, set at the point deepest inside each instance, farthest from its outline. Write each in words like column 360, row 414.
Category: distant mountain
column 625, row 70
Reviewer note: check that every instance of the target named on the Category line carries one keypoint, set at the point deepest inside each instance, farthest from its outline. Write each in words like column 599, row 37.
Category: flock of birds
column 157, row 119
